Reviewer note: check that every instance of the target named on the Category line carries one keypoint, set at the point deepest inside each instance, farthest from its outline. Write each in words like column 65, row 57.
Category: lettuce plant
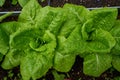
column 47, row 37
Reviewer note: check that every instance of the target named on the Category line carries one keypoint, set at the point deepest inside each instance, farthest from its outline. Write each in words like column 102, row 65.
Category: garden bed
column 76, row 73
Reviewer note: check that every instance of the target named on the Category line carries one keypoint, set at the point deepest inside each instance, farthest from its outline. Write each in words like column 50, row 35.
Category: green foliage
column 58, row 76
column 23, row 2
column 117, row 78
column 95, row 64
column 14, row 2
column 2, row 2
column 4, row 16
column 48, row 37
column 115, row 31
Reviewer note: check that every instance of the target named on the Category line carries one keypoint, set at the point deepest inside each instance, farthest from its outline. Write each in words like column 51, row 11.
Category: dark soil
column 87, row 3
column 9, row 7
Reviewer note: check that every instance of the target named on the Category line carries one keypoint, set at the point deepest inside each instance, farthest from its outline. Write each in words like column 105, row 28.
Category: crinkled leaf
column 116, row 62
column 73, row 43
column 79, row 11
column 30, row 12
column 103, row 18
column 4, row 41
column 11, row 27
column 87, row 29
column 46, row 18
column 21, row 38
column 69, row 25
column 46, row 43
column 95, row 64
column 12, row 59
column 99, row 19
column 100, row 41
column 63, row 63
column 58, row 21
column 115, row 31
column 33, row 37
column 39, row 58
column 6, row 29
column 34, row 66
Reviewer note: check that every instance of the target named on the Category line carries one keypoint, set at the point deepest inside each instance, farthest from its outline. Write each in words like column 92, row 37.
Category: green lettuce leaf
column 12, row 59
column 100, row 41
column 75, row 16
column 103, row 18
column 23, row 2
column 48, row 17
column 79, row 11
column 24, row 36
column 99, row 19
column 4, row 42
column 95, row 64
column 6, row 29
column 62, row 62
column 115, row 31
column 39, row 59
column 14, row 2
column 70, row 42
column 29, row 12
column 58, row 21
column 95, row 31
column 10, row 27
column 116, row 62
column 2, row 2
column 34, row 66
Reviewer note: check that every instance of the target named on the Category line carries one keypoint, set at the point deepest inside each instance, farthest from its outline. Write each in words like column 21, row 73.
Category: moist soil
column 76, row 73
